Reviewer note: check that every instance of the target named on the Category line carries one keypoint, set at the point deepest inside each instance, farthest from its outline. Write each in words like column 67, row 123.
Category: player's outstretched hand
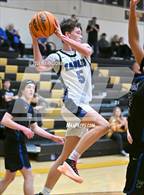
column 58, row 139
column 58, row 31
column 134, row 2
column 129, row 137
column 28, row 133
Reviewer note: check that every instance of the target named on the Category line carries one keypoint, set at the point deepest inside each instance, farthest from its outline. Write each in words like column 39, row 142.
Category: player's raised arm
column 134, row 34
column 84, row 49
column 41, row 25
column 40, row 64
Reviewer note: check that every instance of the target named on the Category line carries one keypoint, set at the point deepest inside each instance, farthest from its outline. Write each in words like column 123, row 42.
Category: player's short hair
column 68, row 25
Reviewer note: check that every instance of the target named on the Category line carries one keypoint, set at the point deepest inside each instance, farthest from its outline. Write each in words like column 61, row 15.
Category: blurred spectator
column 119, row 127
column 46, row 47
column 15, row 39
column 74, row 18
column 4, row 43
column 92, row 30
column 104, row 47
column 115, row 45
column 124, row 51
column 6, row 95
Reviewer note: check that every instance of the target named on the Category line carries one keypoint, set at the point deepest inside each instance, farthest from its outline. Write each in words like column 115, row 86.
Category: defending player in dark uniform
column 1, row 116
column 135, row 170
column 20, row 123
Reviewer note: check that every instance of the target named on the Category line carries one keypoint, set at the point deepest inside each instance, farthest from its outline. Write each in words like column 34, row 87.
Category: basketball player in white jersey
column 73, row 64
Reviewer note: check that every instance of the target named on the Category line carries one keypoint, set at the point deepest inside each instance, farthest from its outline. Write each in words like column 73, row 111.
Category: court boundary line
column 81, row 166
column 94, row 193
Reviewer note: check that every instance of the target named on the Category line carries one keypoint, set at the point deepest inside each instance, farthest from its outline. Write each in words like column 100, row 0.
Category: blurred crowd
column 10, row 40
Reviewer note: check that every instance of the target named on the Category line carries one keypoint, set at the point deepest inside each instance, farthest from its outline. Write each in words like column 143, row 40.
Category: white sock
column 74, row 155
column 46, row 191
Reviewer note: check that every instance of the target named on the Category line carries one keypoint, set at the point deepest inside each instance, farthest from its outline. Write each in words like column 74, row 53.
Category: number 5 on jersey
column 80, row 76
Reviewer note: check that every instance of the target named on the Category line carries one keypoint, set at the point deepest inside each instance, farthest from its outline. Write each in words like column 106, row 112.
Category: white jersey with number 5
column 75, row 72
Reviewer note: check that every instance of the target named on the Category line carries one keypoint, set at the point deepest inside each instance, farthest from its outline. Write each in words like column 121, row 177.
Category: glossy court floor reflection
column 102, row 176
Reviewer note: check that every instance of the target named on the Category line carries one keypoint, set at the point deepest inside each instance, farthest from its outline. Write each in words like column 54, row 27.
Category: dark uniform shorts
column 135, row 175
column 16, row 158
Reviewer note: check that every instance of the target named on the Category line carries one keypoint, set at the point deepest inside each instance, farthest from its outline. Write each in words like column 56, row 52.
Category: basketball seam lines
column 49, row 24
column 40, row 25
column 32, row 26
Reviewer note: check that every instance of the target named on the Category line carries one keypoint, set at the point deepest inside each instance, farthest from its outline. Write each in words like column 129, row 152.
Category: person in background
column 124, row 51
column 92, row 30
column 4, row 43
column 115, row 45
column 118, row 130
column 74, row 18
column 6, row 94
column 104, row 47
column 20, row 123
column 44, row 46
column 15, row 39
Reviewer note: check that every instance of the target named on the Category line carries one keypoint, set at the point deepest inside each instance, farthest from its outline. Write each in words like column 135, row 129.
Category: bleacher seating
column 9, row 54
column 109, row 90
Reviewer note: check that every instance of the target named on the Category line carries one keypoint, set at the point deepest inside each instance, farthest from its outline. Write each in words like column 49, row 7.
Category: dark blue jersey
column 1, row 116
column 16, row 156
column 23, row 114
column 136, row 110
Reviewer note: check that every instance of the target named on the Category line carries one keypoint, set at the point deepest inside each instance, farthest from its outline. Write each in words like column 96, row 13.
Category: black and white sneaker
column 69, row 169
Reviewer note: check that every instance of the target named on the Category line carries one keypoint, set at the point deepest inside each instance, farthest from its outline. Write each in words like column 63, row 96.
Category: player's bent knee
column 106, row 127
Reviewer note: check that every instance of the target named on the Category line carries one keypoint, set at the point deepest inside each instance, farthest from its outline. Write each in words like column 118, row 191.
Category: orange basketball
column 42, row 24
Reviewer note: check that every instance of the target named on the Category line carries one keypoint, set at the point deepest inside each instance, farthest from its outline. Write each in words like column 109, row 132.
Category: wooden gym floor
column 102, row 176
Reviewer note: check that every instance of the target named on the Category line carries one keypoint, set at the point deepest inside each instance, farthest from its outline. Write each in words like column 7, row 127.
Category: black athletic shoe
column 72, row 163
column 69, row 169
column 39, row 193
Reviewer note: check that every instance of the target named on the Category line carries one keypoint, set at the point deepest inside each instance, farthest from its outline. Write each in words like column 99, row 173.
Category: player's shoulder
column 19, row 106
column 54, row 57
column 19, row 101
column 54, row 54
column 86, row 45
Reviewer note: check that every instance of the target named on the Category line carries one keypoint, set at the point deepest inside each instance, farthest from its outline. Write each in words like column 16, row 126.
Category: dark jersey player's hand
column 28, row 133
column 134, row 2
column 129, row 137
